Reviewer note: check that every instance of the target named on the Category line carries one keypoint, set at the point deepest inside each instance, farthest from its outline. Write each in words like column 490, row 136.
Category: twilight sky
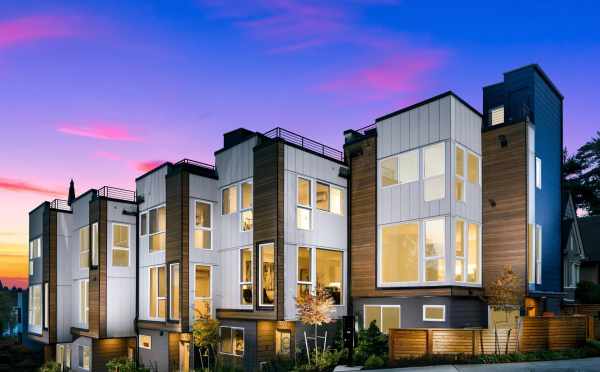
column 100, row 91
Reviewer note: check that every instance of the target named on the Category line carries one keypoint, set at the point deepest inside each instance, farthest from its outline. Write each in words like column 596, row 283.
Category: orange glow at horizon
column 13, row 264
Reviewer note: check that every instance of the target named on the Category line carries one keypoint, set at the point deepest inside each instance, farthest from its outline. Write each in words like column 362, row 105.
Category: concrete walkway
column 574, row 365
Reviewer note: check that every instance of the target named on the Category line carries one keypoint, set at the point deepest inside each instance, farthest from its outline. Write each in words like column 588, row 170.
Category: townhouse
column 405, row 228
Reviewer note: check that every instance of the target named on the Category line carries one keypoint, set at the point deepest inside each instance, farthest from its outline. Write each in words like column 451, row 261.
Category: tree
column 206, row 336
column 505, row 294
column 581, row 175
column 315, row 310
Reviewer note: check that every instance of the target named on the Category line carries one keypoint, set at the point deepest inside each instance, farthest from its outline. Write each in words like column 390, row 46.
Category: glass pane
column 434, row 188
column 460, row 162
column 473, row 170
column 144, row 223
column 157, row 242
column 246, row 265
column 459, row 269
column 434, row 313
column 84, row 239
column 400, row 253
column 162, row 307
column 120, row 236
column 153, row 291
column 434, row 238
column 303, row 290
column 202, row 239
column 530, row 254
column 435, row 270
column 203, row 215
column 267, row 266
column 162, row 282
column 246, row 195
column 322, row 196
column 226, row 341
column 202, row 281
column 372, row 313
column 389, row 171
column 329, row 273
column 120, row 257
column 238, row 341
column 337, row 200
column 174, row 297
column 84, row 259
column 408, row 164
column 473, row 261
column 153, row 221
column 303, row 264
column 95, row 244
column 202, row 308
column 459, row 241
column 304, row 192
column 246, row 294
column 303, row 218
column 247, row 220
column 459, row 190
column 390, row 318
column 158, row 220
column 433, row 160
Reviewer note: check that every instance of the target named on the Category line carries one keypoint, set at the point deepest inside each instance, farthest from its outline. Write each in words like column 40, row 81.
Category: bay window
column 158, row 292
column 246, row 276
column 232, row 340
column 433, row 171
column 156, row 229
column 229, row 200
column 246, row 215
column 386, row 317
column 435, row 264
column 84, row 247
column 266, row 274
column 120, row 246
column 399, row 253
column 203, row 292
column 203, row 225
column 304, row 204
column 174, row 291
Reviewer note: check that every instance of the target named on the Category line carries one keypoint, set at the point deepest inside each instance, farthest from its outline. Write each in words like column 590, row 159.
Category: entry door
column 184, row 356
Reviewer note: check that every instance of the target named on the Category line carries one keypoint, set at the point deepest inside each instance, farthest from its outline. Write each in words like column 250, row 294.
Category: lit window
column 46, row 294
column 120, row 247
column 35, row 308
column 232, row 341
column 473, row 253
column 84, row 357
column 389, row 171
column 386, row 317
column 203, row 292
column 322, row 196
column 329, row 198
column 408, row 166
column 399, row 253
column 247, row 198
column 246, row 276
column 434, row 165
column 35, row 248
column 229, row 198
column 497, row 115
column 60, row 355
column 337, row 200
column 460, row 174
column 84, row 247
column 434, row 313
column 68, row 356
column 145, row 341
column 267, row 274
column 538, row 172
column 173, row 291
column 473, row 168
column 84, row 306
column 203, row 226
column 304, row 207
column 459, row 250
column 435, row 264
column 246, row 216
column 304, row 278
column 531, row 253
column 158, row 292
column 329, row 273
column 158, row 225
column 95, row 244
column 538, row 254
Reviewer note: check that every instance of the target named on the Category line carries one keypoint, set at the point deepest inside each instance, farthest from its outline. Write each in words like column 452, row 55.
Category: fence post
column 430, row 341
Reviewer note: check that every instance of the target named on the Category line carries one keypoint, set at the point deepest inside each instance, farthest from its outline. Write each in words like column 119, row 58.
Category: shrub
column 370, row 342
column 587, row 292
column 124, row 365
column 374, row 362
column 324, row 362
column 50, row 367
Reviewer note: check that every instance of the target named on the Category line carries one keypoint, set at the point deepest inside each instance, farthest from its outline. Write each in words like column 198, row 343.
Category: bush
column 587, row 292
column 124, row 365
column 50, row 367
column 370, row 342
column 324, row 362
column 374, row 362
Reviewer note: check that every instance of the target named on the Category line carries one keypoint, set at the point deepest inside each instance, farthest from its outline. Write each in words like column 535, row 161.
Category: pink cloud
column 106, row 155
column 23, row 186
column 146, row 166
column 106, row 132
column 15, row 282
column 31, row 28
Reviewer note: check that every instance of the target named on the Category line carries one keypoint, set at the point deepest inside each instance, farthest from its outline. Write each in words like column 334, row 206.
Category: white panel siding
column 152, row 189
column 236, row 163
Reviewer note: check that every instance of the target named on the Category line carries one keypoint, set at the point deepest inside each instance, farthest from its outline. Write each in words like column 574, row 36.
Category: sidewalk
column 587, row 364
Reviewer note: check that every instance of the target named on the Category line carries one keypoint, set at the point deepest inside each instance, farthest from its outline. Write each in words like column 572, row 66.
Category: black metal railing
column 366, row 128
column 60, row 204
column 305, row 143
column 195, row 163
column 116, row 193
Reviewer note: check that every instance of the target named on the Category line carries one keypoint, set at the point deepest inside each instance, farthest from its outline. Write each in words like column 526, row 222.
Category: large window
column 459, row 174
column 229, row 200
column 246, row 276
column 459, row 251
column 434, row 313
column 158, row 292
column 327, row 273
column 246, row 215
column 232, row 341
column 435, row 264
column 95, row 244
column 203, row 225
column 497, row 115
column 386, row 317
column 473, row 168
column 400, row 169
column 35, row 308
column 84, row 305
column 389, row 171
column 304, row 207
column 202, row 292
column 84, row 247
column 46, row 304
column 329, row 198
column 266, row 274
column 433, row 171
column 538, row 254
column 174, row 291
column 304, row 275
column 120, row 246
column 84, row 357
column 156, row 229
column 35, row 251
column 399, row 255
column 538, row 172
column 474, row 244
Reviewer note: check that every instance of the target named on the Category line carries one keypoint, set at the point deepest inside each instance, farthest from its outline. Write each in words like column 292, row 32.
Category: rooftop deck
column 305, row 143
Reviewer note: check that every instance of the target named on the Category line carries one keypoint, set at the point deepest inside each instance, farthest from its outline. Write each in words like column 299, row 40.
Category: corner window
column 474, row 244
column 95, row 244
column 145, row 341
column 232, row 341
column 246, row 276
column 497, row 115
column 158, row 292
column 538, row 172
column 84, row 247
column 246, row 217
column 435, row 264
column 35, row 308
column 202, row 292
column 120, row 246
column 84, row 357
column 434, row 313
column 266, row 274
column 459, row 174
column 433, row 171
column 386, row 317
column 400, row 169
column 46, row 294
column 229, row 200
column 203, row 225
column 304, row 204
column 84, row 306
column 174, row 291
column 156, row 229
column 399, row 253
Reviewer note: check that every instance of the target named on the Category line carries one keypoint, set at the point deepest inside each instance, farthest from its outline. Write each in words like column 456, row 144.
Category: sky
column 101, row 91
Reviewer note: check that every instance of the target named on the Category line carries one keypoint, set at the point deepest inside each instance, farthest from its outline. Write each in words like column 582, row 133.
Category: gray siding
column 158, row 356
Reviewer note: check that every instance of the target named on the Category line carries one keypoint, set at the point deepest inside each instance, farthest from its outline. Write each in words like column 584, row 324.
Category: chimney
column 71, row 192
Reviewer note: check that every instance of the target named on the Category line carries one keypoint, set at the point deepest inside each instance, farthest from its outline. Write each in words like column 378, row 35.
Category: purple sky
column 101, row 90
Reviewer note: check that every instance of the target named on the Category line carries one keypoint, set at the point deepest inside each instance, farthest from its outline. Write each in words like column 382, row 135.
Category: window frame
column 312, row 258
column 379, row 271
column 84, row 252
column 245, row 283
column 306, row 207
column 538, row 253
column 260, row 273
column 170, row 295
column 426, row 319
column 209, row 229
column 250, row 209
column 464, row 256
column 158, row 298
column 95, row 244
column 330, row 187
column 462, row 178
column 478, row 282
column 140, row 343
column 237, row 201
column 83, row 350
column 426, row 258
column 538, row 172
column 113, row 247
column 149, row 234
column 210, row 290
column 479, row 175
column 443, row 175
column 32, row 308
column 232, row 328
column 84, row 308
column 381, row 307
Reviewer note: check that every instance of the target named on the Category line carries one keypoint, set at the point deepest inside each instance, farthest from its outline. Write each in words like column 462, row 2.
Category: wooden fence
column 535, row 334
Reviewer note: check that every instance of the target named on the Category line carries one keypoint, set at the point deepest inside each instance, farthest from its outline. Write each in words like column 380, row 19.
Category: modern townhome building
column 415, row 217
column 522, row 157
column 239, row 241
column 82, row 278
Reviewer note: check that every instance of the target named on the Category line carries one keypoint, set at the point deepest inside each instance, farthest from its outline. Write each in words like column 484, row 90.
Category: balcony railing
column 195, row 163
column 366, row 128
column 117, row 193
column 305, row 143
column 61, row 205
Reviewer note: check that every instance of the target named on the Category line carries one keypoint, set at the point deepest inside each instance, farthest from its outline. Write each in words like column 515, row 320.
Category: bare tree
column 505, row 294
column 315, row 310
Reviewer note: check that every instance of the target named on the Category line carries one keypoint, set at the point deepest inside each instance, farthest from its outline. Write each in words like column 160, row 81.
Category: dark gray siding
column 248, row 362
column 157, row 357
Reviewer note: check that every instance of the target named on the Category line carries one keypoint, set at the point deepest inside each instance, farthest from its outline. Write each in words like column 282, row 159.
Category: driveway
column 587, row 364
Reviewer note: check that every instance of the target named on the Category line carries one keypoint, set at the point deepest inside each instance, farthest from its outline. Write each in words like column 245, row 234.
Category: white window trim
column 113, row 247
column 425, row 307
column 243, row 337
column 84, row 318
column 260, row 283
column 158, row 298
column 146, row 224
column 313, row 269
column 85, row 250
column 538, row 173
column 242, row 209
column 430, row 258
column 397, row 158
column 33, row 255
column 141, row 344
column 242, row 283
column 432, row 177
column 95, row 244
column 309, row 207
column 479, row 253
column 365, row 306
column 210, row 229
column 538, row 257
column 330, row 186
column 80, row 362
column 463, row 178
column 210, row 290
column 171, row 290
column 237, row 202
column 149, row 235
column 380, row 172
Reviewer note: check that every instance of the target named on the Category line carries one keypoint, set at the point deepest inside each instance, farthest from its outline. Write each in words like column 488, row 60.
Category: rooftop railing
column 305, row 143
column 117, row 193
column 366, row 128
column 196, row 163
column 60, row 204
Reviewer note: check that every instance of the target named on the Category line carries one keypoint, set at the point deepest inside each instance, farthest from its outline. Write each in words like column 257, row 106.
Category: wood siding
column 109, row 348
column 173, row 347
column 505, row 202
column 265, row 341
column 51, row 277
